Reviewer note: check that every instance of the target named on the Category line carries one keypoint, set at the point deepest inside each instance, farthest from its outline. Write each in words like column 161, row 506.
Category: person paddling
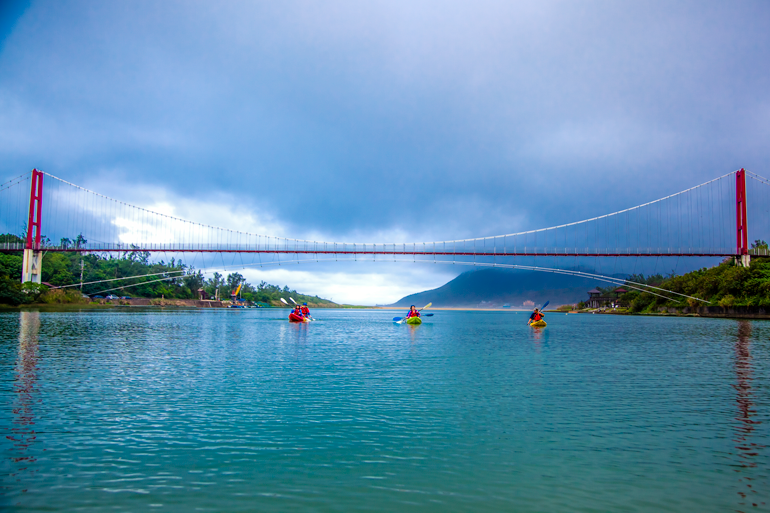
column 298, row 312
column 305, row 310
column 413, row 312
column 536, row 316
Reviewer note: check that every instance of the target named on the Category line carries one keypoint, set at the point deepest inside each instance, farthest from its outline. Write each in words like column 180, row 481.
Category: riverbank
column 721, row 312
column 454, row 309
column 148, row 302
column 55, row 307
column 727, row 288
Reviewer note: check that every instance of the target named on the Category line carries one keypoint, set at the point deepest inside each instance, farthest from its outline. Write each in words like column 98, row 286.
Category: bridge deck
column 524, row 253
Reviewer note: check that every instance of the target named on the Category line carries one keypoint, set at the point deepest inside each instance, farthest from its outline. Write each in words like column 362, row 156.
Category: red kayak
column 297, row 318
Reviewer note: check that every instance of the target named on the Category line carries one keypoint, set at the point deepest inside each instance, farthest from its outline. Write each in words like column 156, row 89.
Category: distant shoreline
column 457, row 308
column 154, row 303
column 714, row 312
column 706, row 312
column 711, row 312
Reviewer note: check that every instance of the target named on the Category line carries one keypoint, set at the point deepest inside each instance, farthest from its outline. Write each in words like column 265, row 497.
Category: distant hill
column 495, row 287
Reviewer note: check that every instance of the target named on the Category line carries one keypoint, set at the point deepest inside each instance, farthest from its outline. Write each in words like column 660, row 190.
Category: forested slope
column 172, row 280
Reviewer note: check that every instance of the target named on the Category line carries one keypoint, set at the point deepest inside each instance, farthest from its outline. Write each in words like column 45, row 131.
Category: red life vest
column 305, row 310
column 538, row 316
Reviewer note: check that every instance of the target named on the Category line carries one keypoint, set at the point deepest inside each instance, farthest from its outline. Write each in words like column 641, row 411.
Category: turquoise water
column 222, row 410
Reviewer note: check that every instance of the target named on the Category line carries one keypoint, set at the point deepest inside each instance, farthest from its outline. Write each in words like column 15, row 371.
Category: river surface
column 238, row 410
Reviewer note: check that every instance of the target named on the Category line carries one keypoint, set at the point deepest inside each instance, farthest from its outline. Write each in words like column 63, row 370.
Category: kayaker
column 536, row 316
column 305, row 310
column 413, row 312
column 298, row 311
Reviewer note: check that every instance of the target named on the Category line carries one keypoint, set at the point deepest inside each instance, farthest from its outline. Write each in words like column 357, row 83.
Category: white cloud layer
column 375, row 284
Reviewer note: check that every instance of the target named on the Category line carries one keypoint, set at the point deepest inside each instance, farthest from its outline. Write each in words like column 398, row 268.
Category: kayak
column 297, row 318
column 414, row 320
column 538, row 324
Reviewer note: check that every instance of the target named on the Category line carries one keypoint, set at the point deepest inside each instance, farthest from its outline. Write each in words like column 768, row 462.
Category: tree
column 194, row 281
column 10, row 266
column 142, row 257
column 234, row 279
column 653, row 279
column 9, row 238
column 57, row 269
column 10, row 292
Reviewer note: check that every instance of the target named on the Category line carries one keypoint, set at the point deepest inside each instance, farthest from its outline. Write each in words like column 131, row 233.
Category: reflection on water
column 298, row 332
column 25, row 386
column 537, row 334
column 414, row 331
column 747, row 450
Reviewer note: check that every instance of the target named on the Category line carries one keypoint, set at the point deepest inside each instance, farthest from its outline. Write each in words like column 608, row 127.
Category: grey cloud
column 462, row 119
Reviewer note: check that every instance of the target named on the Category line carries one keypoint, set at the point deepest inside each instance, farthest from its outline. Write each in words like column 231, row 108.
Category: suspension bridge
column 708, row 220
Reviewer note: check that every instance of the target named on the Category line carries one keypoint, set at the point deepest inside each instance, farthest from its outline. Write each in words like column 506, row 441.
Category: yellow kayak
column 538, row 324
column 414, row 320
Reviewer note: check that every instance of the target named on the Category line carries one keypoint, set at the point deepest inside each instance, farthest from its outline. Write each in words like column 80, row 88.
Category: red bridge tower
column 32, row 266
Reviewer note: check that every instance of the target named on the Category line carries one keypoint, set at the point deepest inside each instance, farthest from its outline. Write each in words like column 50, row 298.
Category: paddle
column 420, row 310
column 396, row 319
column 284, row 302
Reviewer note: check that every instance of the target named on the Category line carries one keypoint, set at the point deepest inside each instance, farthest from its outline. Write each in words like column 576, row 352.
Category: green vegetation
column 725, row 285
column 654, row 280
column 10, row 274
column 170, row 280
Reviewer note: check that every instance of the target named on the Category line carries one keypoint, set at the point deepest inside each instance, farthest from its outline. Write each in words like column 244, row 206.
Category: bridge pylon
column 32, row 263
column 741, row 222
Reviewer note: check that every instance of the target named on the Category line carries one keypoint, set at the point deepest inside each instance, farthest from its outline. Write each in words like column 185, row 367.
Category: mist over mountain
column 496, row 287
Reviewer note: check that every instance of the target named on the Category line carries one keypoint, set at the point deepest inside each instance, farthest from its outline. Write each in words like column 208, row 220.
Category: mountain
column 495, row 287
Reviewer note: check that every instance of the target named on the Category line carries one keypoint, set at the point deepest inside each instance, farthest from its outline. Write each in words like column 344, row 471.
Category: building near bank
column 596, row 299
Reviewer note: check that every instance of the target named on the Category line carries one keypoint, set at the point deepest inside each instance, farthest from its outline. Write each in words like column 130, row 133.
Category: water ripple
column 241, row 411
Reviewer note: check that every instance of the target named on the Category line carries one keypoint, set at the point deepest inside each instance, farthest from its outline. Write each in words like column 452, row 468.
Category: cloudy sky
column 393, row 121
